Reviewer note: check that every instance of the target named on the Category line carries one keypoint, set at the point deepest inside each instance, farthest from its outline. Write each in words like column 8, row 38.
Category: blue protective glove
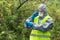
column 28, row 24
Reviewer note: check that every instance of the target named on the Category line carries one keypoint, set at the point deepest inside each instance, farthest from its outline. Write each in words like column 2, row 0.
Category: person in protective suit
column 41, row 23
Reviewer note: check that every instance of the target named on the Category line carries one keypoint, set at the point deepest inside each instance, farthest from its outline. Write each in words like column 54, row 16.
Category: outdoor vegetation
column 13, row 14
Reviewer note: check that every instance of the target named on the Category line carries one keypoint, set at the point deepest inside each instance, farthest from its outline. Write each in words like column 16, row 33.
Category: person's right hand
column 28, row 24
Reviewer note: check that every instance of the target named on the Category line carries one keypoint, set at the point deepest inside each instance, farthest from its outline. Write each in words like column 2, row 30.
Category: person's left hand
column 37, row 25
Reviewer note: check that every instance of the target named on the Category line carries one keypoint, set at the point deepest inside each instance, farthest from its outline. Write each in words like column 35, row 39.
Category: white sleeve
column 47, row 23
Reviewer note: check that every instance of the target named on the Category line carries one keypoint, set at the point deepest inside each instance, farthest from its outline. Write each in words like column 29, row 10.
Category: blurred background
column 13, row 14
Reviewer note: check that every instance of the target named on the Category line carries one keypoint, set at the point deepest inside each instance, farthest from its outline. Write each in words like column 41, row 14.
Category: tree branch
column 21, row 4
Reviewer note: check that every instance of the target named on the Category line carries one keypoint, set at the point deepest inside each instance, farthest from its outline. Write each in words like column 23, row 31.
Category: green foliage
column 12, row 20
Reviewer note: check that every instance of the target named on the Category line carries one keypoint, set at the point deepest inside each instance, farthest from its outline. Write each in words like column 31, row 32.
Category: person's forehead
column 40, row 10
